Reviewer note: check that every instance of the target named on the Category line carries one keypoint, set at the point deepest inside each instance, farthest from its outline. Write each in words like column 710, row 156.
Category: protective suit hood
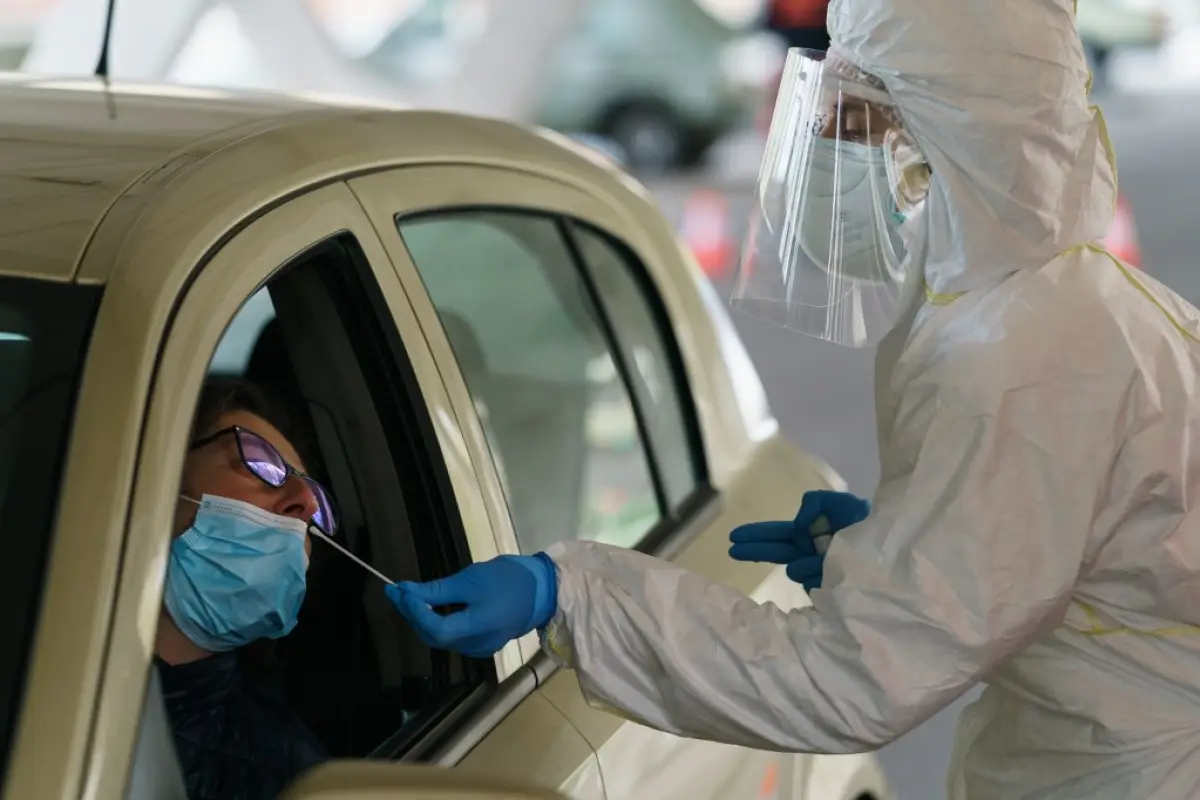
column 995, row 94
column 1034, row 524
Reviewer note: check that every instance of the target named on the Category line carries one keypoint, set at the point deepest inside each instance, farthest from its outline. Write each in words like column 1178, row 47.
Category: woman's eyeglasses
column 265, row 463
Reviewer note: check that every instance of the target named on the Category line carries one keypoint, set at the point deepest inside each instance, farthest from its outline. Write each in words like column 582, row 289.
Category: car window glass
column 44, row 330
column 655, row 375
column 560, row 421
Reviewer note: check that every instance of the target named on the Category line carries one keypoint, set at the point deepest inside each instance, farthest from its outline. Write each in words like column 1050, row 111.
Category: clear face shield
column 840, row 182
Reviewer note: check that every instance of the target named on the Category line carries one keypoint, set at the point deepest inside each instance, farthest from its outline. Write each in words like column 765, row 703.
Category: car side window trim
column 662, row 326
column 550, row 222
column 617, row 353
column 672, row 518
column 472, row 722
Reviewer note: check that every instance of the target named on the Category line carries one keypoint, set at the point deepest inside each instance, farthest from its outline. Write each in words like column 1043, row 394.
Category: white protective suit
column 1037, row 526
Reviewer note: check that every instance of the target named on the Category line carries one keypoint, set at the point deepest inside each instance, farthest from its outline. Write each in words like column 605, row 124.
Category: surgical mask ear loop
column 907, row 170
column 316, row 533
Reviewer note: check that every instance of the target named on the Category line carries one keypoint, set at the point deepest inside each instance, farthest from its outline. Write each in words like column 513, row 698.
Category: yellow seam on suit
column 941, row 298
column 1095, row 248
column 1098, row 629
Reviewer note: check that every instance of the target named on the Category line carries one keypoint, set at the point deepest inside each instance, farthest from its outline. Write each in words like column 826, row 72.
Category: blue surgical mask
column 850, row 213
column 236, row 575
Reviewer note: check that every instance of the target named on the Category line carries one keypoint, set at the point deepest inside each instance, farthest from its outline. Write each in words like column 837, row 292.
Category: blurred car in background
column 657, row 78
column 1108, row 25
column 14, row 43
column 18, row 24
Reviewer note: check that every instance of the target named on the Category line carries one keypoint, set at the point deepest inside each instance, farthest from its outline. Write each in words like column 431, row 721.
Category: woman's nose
column 296, row 499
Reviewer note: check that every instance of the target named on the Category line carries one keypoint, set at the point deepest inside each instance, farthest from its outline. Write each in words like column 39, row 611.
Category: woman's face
column 217, row 469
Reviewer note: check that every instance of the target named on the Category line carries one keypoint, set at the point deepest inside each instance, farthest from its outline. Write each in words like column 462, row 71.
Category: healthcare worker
column 939, row 178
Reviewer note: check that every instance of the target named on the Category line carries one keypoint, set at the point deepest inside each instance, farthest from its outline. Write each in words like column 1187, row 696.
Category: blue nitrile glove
column 505, row 599
column 801, row 543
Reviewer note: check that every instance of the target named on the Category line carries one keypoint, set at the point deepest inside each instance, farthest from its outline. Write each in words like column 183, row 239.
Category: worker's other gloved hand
column 801, row 543
column 504, row 599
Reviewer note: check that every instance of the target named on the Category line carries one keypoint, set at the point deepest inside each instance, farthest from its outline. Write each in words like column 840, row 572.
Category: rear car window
column 44, row 329
column 531, row 343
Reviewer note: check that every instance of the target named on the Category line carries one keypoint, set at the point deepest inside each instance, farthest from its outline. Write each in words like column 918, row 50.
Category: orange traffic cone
column 769, row 788
column 705, row 231
column 1122, row 238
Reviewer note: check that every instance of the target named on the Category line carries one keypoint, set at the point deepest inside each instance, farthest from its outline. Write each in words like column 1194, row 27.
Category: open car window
column 319, row 338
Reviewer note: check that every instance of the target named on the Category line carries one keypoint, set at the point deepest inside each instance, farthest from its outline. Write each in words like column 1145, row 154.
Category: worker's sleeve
column 966, row 558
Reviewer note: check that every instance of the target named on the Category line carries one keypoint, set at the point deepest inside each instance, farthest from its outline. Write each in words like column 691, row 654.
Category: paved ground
column 822, row 394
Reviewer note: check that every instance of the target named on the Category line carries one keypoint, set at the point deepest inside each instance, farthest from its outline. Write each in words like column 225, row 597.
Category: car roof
column 70, row 148
column 73, row 148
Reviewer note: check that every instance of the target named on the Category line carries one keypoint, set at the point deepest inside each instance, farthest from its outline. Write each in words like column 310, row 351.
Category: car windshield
column 44, row 330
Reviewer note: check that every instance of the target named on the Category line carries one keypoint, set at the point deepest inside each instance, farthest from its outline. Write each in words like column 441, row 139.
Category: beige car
column 498, row 342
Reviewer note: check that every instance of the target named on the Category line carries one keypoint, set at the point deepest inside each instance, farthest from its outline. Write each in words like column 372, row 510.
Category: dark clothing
column 234, row 743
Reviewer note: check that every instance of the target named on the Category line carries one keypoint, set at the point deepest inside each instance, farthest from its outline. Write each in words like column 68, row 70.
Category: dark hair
column 222, row 395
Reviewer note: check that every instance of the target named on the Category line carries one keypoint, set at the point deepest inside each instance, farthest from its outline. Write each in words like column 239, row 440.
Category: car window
column 533, row 349
column 644, row 337
column 44, row 329
column 319, row 338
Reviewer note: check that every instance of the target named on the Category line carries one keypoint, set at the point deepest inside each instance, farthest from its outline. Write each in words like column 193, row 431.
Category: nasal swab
column 317, row 534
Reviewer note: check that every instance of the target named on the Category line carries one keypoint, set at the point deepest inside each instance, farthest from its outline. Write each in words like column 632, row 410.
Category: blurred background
column 678, row 92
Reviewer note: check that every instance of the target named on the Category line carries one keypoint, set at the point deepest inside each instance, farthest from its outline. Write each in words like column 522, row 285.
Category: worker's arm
column 964, row 560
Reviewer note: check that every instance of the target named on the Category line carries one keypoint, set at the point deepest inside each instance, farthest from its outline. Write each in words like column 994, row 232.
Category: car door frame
column 137, row 398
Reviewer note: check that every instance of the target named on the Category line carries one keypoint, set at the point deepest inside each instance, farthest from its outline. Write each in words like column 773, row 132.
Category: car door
column 540, row 302
column 322, row 265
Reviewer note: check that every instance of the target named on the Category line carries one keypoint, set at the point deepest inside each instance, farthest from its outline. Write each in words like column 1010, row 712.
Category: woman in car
column 236, row 575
